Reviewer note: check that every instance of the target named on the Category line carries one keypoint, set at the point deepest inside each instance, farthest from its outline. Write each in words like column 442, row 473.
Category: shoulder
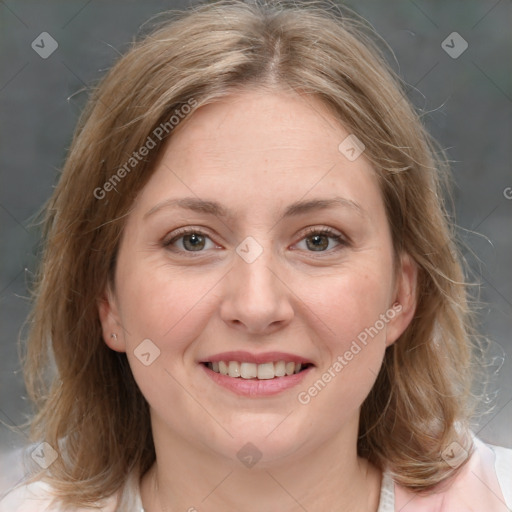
column 503, row 465
column 484, row 483
column 33, row 497
column 38, row 497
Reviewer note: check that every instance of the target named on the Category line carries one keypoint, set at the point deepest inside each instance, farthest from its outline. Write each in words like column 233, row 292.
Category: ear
column 113, row 332
column 404, row 300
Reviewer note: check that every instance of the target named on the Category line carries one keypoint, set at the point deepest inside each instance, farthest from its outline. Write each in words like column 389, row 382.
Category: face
column 261, row 280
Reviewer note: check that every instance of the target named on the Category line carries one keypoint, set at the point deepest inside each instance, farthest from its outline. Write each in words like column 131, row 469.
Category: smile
column 264, row 371
column 256, row 376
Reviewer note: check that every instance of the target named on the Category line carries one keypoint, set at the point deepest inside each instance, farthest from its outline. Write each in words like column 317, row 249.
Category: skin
column 255, row 153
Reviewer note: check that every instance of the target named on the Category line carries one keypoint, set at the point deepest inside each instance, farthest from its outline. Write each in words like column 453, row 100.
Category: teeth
column 223, row 368
column 249, row 370
column 264, row 371
column 280, row 369
column 234, row 369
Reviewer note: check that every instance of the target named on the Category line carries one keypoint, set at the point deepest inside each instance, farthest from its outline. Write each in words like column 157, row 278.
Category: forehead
column 259, row 147
column 289, row 125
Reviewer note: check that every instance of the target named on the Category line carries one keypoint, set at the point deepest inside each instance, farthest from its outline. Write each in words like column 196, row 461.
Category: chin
column 268, row 441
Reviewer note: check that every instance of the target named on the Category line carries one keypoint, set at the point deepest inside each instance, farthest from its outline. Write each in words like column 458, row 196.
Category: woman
column 250, row 287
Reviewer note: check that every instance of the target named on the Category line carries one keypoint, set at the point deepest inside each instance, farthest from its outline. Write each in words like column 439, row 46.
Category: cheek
column 352, row 310
column 351, row 302
column 169, row 307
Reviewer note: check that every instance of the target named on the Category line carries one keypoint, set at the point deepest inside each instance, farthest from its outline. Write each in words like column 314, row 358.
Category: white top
column 483, row 485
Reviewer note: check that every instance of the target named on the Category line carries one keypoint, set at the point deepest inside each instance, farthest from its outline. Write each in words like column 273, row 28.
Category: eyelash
column 340, row 239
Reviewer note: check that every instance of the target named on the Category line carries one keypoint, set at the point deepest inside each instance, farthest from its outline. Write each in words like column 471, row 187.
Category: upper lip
column 264, row 357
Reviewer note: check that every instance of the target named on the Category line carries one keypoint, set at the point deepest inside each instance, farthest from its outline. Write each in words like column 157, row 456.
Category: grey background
column 467, row 105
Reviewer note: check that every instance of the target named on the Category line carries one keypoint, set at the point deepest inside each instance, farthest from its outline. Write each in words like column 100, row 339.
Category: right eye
column 193, row 240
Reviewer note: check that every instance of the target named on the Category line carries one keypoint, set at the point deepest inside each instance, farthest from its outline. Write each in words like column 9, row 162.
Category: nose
column 256, row 298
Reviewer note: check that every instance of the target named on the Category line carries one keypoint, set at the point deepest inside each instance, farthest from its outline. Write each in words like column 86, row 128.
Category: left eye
column 194, row 240
column 319, row 238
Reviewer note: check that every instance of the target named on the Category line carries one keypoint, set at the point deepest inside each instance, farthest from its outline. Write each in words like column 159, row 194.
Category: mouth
column 253, row 371
column 256, row 375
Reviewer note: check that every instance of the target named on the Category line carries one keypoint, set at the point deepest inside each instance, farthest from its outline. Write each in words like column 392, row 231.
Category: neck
column 329, row 477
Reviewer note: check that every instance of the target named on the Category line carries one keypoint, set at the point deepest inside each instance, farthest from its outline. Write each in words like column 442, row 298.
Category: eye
column 193, row 240
column 317, row 239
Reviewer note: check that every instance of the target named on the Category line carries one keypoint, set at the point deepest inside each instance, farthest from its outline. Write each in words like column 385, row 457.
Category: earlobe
column 110, row 322
column 405, row 299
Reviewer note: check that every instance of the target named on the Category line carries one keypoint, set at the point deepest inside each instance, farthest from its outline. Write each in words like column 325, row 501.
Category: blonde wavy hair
column 87, row 403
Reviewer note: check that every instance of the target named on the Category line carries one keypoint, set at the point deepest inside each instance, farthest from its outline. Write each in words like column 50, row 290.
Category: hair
column 88, row 405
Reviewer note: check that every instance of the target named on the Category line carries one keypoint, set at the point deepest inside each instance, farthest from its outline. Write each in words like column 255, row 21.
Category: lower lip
column 256, row 387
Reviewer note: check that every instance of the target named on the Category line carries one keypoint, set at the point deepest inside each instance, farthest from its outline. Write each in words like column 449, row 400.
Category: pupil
column 194, row 240
column 317, row 238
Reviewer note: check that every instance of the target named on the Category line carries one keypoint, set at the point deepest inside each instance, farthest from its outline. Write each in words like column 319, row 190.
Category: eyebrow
column 298, row 208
